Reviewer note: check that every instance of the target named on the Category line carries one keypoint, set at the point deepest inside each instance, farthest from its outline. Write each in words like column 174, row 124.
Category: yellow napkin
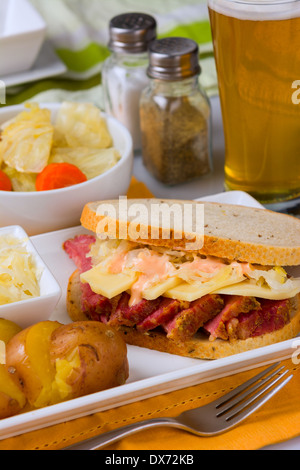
column 138, row 190
column 276, row 421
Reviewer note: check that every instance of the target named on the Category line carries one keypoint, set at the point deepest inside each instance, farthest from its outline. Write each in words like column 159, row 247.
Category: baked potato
column 12, row 399
column 28, row 353
column 89, row 357
column 8, row 330
column 55, row 362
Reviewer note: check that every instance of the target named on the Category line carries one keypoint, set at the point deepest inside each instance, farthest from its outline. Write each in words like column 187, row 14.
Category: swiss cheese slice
column 153, row 292
column 107, row 284
column 193, row 291
column 247, row 288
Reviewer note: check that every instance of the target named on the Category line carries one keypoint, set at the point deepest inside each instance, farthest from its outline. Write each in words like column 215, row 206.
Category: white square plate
column 151, row 373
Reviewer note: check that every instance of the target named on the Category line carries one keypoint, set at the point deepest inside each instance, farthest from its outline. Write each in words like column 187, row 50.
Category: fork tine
column 228, row 404
column 236, row 409
column 222, row 400
column 238, row 417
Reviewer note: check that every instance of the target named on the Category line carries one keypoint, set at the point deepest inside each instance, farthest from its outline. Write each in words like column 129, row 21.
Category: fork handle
column 112, row 436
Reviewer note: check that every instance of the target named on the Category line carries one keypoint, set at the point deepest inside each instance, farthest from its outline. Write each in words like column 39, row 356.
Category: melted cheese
column 152, row 293
column 107, row 284
column 149, row 274
column 289, row 290
column 195, row 290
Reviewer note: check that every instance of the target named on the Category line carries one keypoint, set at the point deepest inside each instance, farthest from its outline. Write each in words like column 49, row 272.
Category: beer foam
column 257, row 10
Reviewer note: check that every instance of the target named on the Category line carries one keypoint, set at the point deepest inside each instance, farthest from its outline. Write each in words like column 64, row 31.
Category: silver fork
column 208, row 420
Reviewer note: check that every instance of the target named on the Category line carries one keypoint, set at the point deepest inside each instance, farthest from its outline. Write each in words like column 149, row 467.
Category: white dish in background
column 28, row 312
column 233, row 197
column 22, row 33
column 151, row 373
column 47, row 65
column 46, row 211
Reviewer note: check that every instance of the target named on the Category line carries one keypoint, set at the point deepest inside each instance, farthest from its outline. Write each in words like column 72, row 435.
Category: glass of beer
column 257, row 52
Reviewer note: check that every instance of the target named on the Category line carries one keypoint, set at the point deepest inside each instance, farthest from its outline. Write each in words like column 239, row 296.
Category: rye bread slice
column 233, row 232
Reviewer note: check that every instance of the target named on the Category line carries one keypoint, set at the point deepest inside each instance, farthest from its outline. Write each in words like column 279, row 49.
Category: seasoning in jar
column 175, row 114
column 124, row 74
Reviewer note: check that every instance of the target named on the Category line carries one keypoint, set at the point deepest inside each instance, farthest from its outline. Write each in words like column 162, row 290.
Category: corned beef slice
column 131, row 315
column 167, row 309
column 78, row 249
column 91, row 302
column 187, row 322
column 94, row 306
column 272, row 316
column 117, row 318
column 234, row 305
column 240, row 317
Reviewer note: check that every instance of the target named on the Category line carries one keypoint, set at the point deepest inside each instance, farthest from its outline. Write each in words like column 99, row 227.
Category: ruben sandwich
column 232, row 293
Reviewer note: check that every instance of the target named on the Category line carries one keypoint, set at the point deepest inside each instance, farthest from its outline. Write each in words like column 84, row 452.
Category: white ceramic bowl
column 28, row 312
column 47, row 211
column 22, row 33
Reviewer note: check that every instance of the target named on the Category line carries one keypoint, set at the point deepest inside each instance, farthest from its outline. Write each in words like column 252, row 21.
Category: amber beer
column 257, row 51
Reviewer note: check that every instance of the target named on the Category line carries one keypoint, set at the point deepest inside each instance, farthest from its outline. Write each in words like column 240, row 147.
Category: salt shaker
column 124, row 74
column 175, row 113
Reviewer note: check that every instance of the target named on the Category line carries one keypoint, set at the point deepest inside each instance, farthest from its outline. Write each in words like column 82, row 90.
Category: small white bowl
column 47, row 211
column 22, row 33
column 28, row 312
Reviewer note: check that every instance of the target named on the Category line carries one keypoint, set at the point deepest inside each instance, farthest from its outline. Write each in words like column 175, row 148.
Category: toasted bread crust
column 199, row 346
column 246, row 234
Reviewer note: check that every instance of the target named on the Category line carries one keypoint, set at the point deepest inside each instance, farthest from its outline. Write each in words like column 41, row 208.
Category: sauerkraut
column 19, row 274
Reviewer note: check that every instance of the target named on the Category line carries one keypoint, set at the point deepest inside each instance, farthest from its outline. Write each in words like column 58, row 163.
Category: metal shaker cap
column 173, row 58
column 131, row 32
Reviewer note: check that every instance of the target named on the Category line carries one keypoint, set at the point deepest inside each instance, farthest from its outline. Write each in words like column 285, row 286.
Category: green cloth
column 78, row 31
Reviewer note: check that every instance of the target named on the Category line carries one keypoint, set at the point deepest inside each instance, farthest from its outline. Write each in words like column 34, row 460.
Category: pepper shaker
column 175, row 113
column 124, row 73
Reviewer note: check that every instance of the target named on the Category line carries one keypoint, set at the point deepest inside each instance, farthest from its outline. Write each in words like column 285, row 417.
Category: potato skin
column 28, row 353
column 102, row 352
column 48, row 363
column 8, row 406
column 12, row 399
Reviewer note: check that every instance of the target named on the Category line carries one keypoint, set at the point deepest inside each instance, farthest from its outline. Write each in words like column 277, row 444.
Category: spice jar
column 175, row 113
column 124, row 73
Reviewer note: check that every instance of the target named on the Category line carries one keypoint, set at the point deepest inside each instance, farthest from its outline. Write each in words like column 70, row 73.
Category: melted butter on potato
column 8, row 330
column 55, row 362
column 96, row 356
column 64, row 368
column 12, row 399
column 28, row 353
